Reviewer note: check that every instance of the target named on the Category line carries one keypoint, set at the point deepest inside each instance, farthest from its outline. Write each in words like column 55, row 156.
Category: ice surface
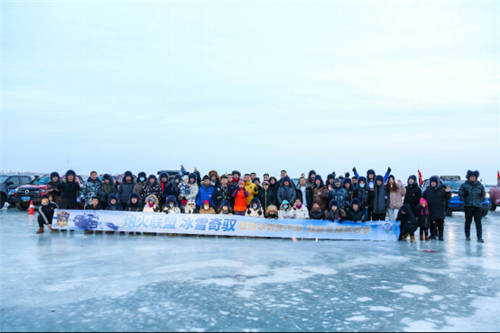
column 80, row 282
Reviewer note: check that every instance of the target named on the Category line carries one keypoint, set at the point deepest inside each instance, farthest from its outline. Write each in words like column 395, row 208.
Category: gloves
column 389, row 169
column 259, row 212
column 354, row 169
column 248, row 211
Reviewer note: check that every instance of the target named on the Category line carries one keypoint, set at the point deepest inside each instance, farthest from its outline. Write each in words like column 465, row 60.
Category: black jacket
column 222, row 193
column 46, row 213
column 423, row 217
column 362, row 195
column 380, row 199
column 69, row 193
column 408, row 221
column 437, row 199
column 309, row 197
column 267, row 198
column 412, row 196
column 356, row 216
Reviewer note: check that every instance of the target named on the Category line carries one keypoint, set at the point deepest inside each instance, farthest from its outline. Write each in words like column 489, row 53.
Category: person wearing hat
column 95, row 204
column 171, row 206
column 286, row 210
column 69, row 189
column 206, row 192
column 299, row 209
column 235, row 179
column 141, row 182
column 193, row 187
column 380, row 200
column 152, row 187
column 222, row 192
column 206, row 208
column 335, row 213
column 286, row 191
column 266, row 196
column 240, row 199
column 472, row 193
column 338, row 193
column 134, row 203
column 91, row 188
column 126, row 188
column 437, row 197
column 45, row 213
column 108, row 187
column 356, row 213
column 413, row 194
column 251, row 188
column 52, row 187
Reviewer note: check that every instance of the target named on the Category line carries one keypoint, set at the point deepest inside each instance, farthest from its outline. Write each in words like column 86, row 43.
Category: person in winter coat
column 472, row 193
column 222, row 192
column 163, row 185
column 286, row 211
column 206, row 208
column 274, row 186
column 91, row 188
column 266, row 196
column 437, row 196
column 361, row 193
column 319, row 192
column 303, row 192
column 235, row 179
column 69, row 190
column 45, row 213
column 184, row 190
column 95, row 204
column 190, row 207
column 408, row 223
column 134, row 203
column 225, row 208
column 152, row 204
column 356, row 213
column 214, row 178
column 193, row 188
column 255, row 208
column 141, row 182
column 108, row 187
column 272, row 212
column 250, row 188
column 413, row 193
column 316, row 213
column 286, row 191
column 113, row 203
column 52, row 189
column 299, row 209
column 311, row 177
column 396, row 194
column 335, row 213
column 152, row 187
column 348, row 187
column 171, row 205
column 338, row 193
column 370, row 185
column 380, row 200
column 173, row 186
column 240, row 196
column 206, row 192
column 423, row 219
column 126, row 188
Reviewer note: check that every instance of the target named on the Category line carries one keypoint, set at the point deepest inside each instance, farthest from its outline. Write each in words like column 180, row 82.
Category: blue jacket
column 205, row 193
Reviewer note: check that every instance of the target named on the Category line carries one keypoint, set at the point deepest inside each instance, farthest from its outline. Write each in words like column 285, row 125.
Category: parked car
column 170, row 173
column 34, row 191
column 494, row 196
column 8, row 184
column 455, row 204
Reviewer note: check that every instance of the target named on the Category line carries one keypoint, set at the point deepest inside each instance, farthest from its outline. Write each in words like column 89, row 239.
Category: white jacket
column 301, row 213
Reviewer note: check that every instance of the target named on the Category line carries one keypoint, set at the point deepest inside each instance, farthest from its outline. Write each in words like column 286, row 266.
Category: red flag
column 420, row 179
column 498, row 176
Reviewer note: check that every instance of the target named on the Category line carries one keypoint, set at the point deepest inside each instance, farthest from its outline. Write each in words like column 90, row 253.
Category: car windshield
column 3, row 178
column 42, row 180
column 453, row 184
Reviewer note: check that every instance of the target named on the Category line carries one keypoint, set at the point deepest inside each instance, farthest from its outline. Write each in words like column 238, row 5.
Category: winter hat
column 223, row 177
column 45, row 196
column 206, row 202
column 413, row 177
column 206, row 178
column 434, row 179
column 370, row 172
column 356, row 201
column 236, row 172
column 332, row 203
column 337, row 180
column 287, row 179
column 471, row 173
column 151, row 177
column 163, row 175
column 311, row 172
column 127, row 173
column 271, row 209
column 285, row 202
column 70, row 172
column 320, row 180
column 54, row 174
column 362, row 179
column 379, row 177
column 330, row 176
column 347, row 180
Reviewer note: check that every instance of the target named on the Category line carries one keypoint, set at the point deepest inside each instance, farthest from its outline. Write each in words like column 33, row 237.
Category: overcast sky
column 251, row 85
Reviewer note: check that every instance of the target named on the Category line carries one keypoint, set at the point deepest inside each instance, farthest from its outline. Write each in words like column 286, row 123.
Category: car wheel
column 22, row 205
column 485, row 212
column 2, row 201
column 449, row 212
column 493, row 206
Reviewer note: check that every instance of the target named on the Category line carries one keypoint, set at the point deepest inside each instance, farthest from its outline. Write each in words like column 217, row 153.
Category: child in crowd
column 286, row 210
column 45, row 213
column 152, row 204
column 95, row 204
column 299, row 209
column 335, row 213
column 113, row 203
column 272, row 212
column 184, row 190
column 190, row 207
column 206, row 208
column 255, row 209
column 423, row 219
column 225, row 208
column 316, row 212
column 356, row 213
column 408, row 223
column 134, row 203
column 171, row 206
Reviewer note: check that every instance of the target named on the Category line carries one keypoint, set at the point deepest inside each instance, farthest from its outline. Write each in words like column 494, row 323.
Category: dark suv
column 8, row 184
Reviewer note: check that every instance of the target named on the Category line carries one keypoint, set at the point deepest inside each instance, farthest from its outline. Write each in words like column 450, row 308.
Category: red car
column 495, row 196
column 34, row 191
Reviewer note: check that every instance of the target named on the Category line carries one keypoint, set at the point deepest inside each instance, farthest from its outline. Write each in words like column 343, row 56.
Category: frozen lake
column 87, row 282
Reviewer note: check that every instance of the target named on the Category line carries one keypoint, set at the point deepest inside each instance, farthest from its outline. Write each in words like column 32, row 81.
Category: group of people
column 339, row 198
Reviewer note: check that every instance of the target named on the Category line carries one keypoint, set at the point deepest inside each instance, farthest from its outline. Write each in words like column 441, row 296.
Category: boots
column 40, row 230
column 480, row 240
column 421, row 236
column 412, row 238
column 405, row 236
column 426, row 237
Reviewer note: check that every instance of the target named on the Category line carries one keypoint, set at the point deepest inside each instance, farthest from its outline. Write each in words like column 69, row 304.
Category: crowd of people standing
column 339, row 198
